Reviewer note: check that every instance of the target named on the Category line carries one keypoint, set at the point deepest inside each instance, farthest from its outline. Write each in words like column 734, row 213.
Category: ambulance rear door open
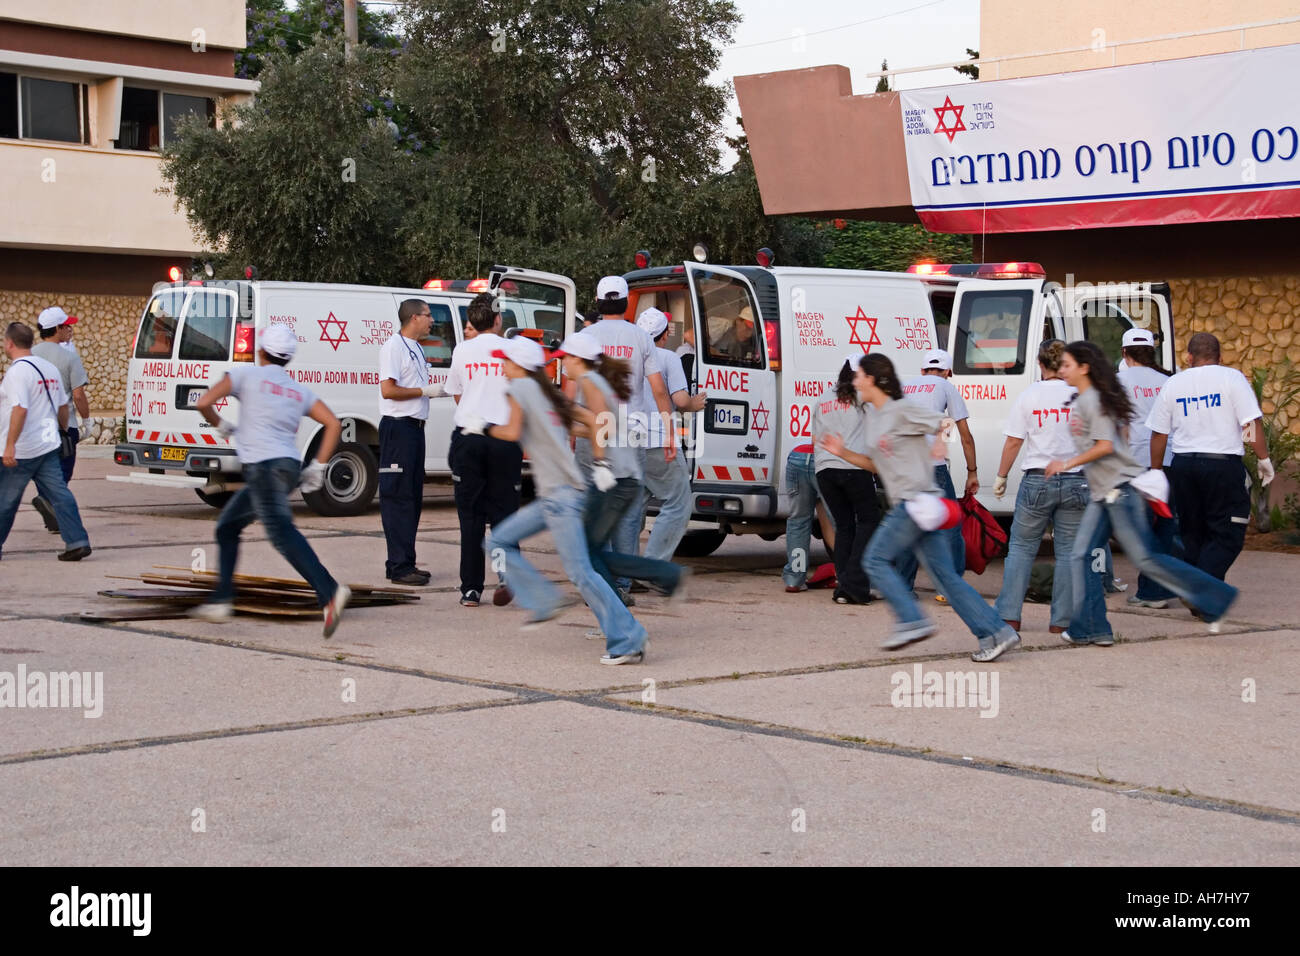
column 734, row 437
column 996, row 328
column 1103, row 313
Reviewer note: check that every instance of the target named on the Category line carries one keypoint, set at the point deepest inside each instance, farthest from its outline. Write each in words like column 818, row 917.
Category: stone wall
column 1254, row 319
column 103, row 335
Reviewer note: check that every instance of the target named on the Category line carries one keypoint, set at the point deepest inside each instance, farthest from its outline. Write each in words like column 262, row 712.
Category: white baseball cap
column 854, row 359
column 653, row 322
column 1138, row 337
column 278, row 340
column 932, row 513
column 937, row 358
column 523, row 351
column 611, row 287
column 580, row 345
column 53, row 317
column 1153, row 485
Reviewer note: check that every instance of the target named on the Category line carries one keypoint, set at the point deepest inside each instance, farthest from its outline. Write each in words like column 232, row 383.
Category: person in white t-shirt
column 33, row 411
column 404, row 393
column 271, row 406
column 1039, row 422
column 486, row 472
column 1199, row 416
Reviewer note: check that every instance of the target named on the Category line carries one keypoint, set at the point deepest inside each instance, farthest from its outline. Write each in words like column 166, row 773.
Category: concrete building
column 820, row 150
column 89, row 93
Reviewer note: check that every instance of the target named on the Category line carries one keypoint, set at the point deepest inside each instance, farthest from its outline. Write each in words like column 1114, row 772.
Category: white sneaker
column 634, row 658
column 213, row 611
column 333, row 612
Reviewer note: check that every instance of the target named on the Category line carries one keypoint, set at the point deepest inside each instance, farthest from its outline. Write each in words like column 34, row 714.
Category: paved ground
column 764, row 727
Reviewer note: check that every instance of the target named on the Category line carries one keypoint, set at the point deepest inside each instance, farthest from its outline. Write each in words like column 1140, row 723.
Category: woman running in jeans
column 602, row 383
column 541, row 419
column 849, row 492
column 1098, row 423
column 899, row 454
column 1040, row 422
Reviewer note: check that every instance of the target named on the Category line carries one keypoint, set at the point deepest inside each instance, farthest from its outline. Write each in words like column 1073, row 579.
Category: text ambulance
column 191, row 333
column 769, row 340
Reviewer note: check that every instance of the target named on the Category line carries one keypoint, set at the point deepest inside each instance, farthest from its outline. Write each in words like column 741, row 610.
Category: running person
column 899, row 454
column 541, row 419
column 1098, row 421
column 271, row 404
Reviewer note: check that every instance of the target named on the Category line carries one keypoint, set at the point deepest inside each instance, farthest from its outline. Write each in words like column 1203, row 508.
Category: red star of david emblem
column 218, row 406
column 855, row 333
column 761, row 421
column 337, row 339
column 954, row 122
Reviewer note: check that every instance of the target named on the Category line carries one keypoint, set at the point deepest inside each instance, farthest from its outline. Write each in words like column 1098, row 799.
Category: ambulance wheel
column 351, row 480
column 216, row 499
column 700, row 544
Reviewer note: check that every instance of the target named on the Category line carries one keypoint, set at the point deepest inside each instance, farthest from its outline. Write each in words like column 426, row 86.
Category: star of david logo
column 761, row 421
column 334, row 340
column 218, row 406
column 855, row 332
column 953, row 125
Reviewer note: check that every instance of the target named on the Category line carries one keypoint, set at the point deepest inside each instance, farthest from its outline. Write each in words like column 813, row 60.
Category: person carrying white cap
column 667, row 477
column 622, row 339
column 1143, row 378
column 56, row 337
column 271, row 405
column 933, row 389
column 1199, row 416
column 541, row 420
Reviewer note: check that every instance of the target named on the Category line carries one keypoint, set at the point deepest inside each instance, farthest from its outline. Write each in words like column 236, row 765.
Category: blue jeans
column 898, row 535
column 627, row 535
column 562, row 513
column 1168, row 541
column 605, row 510
column 670, row 482
column 1060, row 501
column 265, row 498
column 45, row 470
column 801, row 480
column 956, row 543
column 1128, row 518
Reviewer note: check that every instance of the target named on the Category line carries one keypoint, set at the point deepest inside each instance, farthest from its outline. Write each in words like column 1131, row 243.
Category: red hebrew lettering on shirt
column 913, row 389
column 619, row 351
column 1049, row 415
column 828, row 407
column 483, row 368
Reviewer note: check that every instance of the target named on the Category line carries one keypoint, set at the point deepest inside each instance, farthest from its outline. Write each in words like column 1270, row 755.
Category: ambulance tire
column 700, row 544
column 215, row 499
column 351, row 480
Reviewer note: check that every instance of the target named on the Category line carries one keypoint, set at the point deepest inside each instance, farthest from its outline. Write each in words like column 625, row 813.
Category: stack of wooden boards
column 171, row 595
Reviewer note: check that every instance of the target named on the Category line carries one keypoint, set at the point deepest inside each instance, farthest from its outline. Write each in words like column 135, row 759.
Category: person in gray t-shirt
column 898, row 452
column 1099, row 418
column 56, row 348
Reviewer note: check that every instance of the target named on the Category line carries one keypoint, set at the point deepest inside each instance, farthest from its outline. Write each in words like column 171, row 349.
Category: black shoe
column 638, row 588
column 75, row 554
column 470, row 599
column 47, row 514
column 411, row 579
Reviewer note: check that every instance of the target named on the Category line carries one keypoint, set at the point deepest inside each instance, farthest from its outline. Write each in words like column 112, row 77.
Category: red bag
column 984, row 537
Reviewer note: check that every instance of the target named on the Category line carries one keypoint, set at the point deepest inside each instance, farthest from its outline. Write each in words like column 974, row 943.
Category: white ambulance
column 769, row 340
column 192, row 332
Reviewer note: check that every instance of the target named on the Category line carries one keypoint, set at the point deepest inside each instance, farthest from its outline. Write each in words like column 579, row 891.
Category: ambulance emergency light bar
column 457, row 285
column 980, row 270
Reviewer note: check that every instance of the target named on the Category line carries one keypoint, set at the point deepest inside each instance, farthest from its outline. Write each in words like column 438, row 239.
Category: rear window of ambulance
column 158, row 327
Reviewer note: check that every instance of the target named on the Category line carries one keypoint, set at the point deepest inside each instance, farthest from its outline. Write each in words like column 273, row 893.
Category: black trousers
column 485, row 474
column 401, row 489
column 850, row 495
column 1213, row 500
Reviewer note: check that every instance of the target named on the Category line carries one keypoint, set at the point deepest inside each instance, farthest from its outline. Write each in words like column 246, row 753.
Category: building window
column 150, row 117
column 36, row 108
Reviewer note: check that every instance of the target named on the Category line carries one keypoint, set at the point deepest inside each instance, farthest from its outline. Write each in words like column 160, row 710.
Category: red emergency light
column 478, row 285
column 642, row 259
column 765, row 257
column 928, row 269
column 772, row 335
column 980, row 270
column 245, row 337
column 433, row 285
column 175, row 273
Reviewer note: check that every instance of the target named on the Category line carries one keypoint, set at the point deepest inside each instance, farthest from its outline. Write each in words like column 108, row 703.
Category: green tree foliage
column 882, row 83
column 276, row 27
column 891, row 246
column 970, row 69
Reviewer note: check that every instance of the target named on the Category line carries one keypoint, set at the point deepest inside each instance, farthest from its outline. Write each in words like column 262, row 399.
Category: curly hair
column 882, row 370
column 1049, row 354
column 1114, row 398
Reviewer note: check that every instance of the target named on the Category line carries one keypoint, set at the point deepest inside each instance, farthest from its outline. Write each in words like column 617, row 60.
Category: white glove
column 226, row 428
column 312, row 478
column 603, row 476
column 476, row 425
column 999, row 486
column 1266, row 473
column 432, row 391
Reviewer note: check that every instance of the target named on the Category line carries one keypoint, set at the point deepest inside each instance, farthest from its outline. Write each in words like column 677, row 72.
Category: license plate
column 193, row 398
column 172, row 454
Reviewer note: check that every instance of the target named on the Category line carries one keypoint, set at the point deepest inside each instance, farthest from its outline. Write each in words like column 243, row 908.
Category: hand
column 1054, row 468
column 1266, row 473
column 670, row 451
column 973, row 484
column 312, row 477
column 226, row 428
column 10, row 457
column 999, row 487
column 939, row 449
column 476, row 425
column 834, row 444
column 603, row 476
column 698, row 401
column 432, row 391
